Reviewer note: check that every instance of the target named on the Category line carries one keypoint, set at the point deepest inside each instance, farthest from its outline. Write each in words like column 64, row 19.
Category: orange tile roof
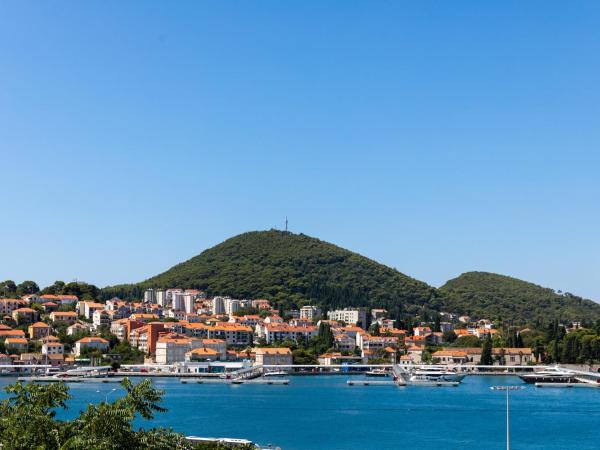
column 452, row 353
column 24, row 310
column 204, row 351
column 272, row 351
column 175, row 340
column 90, row 339
column 12, row 333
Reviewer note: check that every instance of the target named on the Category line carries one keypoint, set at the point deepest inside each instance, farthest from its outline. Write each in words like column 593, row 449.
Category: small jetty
column 55, row 379
column 432, row 383
column 372, row 383
column 568, row 385
column 235, row 381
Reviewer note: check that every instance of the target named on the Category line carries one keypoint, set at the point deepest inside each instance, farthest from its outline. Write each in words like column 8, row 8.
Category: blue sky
column 435, row 137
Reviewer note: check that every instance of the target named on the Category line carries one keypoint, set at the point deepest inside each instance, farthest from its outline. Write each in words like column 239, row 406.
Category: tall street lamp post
column 507, row 389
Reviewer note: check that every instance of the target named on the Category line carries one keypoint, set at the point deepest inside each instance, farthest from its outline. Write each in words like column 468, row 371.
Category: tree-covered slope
column 291, row 268
column 483, row 294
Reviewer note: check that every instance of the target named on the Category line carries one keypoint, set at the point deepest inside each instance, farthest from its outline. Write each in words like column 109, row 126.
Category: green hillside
column 294, row 269
column 291, row 268
column 483, row 294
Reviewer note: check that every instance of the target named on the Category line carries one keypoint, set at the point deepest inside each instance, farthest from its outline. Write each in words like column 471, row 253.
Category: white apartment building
column 100, row 318
column 178, row 301
column 149, row 296
column 161, row 297
column 170, row 292
column 231, row 306
column 170, row 350
column 53, row 348
column 218, row 305
column 189, row 303
column 281, row 332
column 309, row 312
column 351, row 316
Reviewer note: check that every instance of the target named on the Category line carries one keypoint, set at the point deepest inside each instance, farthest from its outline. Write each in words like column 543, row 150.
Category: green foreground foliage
column 28, row 421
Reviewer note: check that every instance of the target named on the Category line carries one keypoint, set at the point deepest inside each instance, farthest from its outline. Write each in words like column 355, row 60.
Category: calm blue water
column 322, row 412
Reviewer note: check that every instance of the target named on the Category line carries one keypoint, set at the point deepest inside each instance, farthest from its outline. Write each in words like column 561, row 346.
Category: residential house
column 8, row 305
column 53, row 348
column 87, row 308
column 90, row 343
column 38, row 330
column 513, row 356
column 69, row 317
column 269, row 356
column 449, row 357
column 15, row 344
column 77, row 328
column 24, row 315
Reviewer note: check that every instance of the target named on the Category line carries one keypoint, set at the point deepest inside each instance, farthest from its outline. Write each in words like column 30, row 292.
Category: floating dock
column 568, row 385
column 371, row 383
column 244, row 381
column 434, row 383
column 43, row 379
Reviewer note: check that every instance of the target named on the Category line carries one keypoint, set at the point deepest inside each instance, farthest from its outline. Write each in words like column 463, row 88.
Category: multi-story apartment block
column 309, row 312
column 351, row 316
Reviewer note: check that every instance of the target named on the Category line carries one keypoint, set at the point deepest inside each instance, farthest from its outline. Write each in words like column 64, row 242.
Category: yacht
column 433, row 374
column 549, row 376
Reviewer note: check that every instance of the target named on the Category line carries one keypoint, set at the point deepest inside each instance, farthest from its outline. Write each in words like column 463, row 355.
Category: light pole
column 107, row 394
column 507, row 389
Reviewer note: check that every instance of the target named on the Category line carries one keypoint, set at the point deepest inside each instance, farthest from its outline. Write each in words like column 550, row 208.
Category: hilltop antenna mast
column 286, row 224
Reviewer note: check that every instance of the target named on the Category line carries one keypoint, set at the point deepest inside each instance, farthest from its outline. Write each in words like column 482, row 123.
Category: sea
column 324, row 412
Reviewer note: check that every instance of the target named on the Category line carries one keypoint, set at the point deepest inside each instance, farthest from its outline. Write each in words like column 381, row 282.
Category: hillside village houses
column 184, row 326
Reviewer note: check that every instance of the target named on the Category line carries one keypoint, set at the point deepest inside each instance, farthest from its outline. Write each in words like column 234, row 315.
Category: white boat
column 232, row 442
column 277, row 373
column 377, row 373
column 434, row 375
column 551, row 375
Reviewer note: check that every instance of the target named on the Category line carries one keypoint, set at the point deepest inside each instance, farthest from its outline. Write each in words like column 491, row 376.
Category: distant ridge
column 295, row 269
column 499, row 296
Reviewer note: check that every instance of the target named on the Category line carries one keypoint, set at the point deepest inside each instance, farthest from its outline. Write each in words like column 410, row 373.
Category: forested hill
column 292, row 268
column 496, row 296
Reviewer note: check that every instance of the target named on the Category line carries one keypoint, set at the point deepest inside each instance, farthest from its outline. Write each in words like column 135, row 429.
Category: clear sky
column 435, row 137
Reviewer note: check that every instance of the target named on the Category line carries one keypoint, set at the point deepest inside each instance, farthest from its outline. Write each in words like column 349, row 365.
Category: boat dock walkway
column 371, row 383
column 236, row 381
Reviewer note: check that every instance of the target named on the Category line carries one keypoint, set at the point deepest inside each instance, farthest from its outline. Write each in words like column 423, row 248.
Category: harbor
column 424, row 375
column 359, row 415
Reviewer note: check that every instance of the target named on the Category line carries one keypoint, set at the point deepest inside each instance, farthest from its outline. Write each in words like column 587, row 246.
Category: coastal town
column 192, row 333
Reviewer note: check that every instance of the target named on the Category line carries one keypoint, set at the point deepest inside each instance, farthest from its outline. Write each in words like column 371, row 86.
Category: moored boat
column 377, row 373
column 550, row 376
